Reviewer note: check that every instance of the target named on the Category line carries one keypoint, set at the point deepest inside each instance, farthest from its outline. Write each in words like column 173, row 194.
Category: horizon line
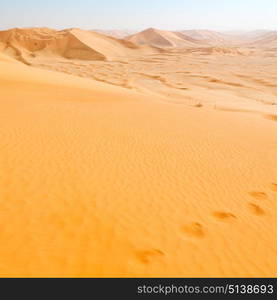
column 141, row 29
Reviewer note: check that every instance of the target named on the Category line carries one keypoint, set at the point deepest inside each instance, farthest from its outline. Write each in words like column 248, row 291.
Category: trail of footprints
column 197, row 231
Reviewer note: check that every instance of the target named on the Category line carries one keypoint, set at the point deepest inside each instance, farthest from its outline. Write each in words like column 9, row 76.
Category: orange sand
column 138, row 178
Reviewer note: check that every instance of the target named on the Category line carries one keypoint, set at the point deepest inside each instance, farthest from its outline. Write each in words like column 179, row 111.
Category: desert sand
column 122, row 158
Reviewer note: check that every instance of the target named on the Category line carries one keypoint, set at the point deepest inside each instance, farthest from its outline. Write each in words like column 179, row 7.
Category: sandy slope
column 97, row 180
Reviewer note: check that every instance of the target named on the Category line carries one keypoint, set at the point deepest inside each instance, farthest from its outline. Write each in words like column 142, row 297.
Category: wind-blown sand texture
column 158, row 163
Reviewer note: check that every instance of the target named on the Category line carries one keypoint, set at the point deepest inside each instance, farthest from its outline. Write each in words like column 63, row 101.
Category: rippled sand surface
column 159, row 165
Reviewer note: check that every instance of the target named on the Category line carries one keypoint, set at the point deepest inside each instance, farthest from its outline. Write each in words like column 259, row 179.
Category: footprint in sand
column 273, row 187
column 146, row 256
column 194, row 230
column 199, row 105
column 224, row 216
column 256, row 209
column 258, row 195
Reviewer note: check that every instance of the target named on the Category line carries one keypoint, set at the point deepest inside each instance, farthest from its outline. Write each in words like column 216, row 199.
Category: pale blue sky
column 140, row 14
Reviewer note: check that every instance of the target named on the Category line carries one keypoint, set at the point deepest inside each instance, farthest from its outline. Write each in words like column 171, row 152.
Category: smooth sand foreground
column 97, row 180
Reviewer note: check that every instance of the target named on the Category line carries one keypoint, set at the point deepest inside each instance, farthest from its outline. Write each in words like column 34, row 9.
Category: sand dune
column 233, row 38
column 162, row 38
column 267, row 40
column 260, row 39
column 240, row 37
column 29, row 44
column 154, row 164
column 206, row 36
column 254, row 34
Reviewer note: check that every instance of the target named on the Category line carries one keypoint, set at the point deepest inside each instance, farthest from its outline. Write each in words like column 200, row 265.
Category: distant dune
column 163, row 39
column 245, row 34
column 232, row 38
column 267, row 40
column 206, row 36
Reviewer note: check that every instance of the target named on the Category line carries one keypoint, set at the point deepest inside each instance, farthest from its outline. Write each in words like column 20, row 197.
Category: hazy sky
column 140, row 14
